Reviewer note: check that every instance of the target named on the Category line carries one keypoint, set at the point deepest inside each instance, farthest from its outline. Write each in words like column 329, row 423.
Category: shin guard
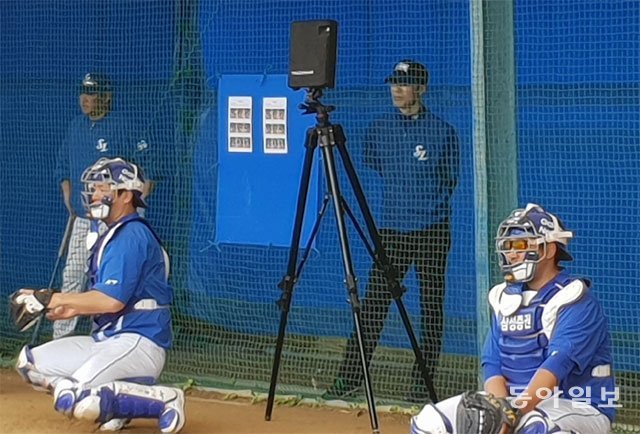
column 124, row 400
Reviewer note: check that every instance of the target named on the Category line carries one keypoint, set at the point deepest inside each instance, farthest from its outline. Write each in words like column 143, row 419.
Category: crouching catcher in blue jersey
column 109, row 377
column 547, row 360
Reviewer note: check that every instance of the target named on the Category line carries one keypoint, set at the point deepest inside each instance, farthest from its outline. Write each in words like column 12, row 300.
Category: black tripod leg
column 312, row 235
column 289, row 280
column 382, row 259
column 350, row 279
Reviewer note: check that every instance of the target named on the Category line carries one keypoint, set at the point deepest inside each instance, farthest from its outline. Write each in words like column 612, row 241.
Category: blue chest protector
column 561, row 328
column 523, row 342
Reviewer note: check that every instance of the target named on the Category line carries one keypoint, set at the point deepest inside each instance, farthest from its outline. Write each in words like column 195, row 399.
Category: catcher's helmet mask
column 119, row 174
column 525, row 231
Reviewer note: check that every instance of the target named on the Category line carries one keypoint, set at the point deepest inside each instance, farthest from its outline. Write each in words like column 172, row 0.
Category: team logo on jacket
column 142, row 145
column 421, row 153
column 102, row 146
column 516, row 323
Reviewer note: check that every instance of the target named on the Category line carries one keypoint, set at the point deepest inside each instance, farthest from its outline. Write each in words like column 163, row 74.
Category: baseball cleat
column 115, row 424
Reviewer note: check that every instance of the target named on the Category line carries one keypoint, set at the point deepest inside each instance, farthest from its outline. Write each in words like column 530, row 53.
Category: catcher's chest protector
column 523, row 342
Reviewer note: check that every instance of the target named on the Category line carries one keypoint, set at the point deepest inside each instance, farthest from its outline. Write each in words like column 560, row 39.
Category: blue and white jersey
column 561, row 328
column 129, row 264
column 418, row 159
column 86, row 142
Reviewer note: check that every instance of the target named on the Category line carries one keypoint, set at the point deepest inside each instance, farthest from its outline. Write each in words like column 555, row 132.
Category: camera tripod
column 328, row 136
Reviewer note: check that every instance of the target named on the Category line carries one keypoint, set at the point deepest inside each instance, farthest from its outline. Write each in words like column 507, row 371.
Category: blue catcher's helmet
column 524, row 231
column 120, row 175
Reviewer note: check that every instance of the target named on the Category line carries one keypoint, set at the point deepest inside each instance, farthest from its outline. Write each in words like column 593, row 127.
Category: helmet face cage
column 119, row 175
column 519, row 236
column 524, row 231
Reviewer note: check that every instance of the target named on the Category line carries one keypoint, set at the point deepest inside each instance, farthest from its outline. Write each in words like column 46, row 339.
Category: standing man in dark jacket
column 417, row 156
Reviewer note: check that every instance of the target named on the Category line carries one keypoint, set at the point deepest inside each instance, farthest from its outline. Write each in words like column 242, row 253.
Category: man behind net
column 416, row 154
column 97, row 132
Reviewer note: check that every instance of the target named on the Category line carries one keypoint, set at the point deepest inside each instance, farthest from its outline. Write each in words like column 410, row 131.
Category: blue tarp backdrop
column 578, row 122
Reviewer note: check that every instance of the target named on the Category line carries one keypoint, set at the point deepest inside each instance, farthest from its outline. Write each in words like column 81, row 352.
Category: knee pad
column 25, row 366
column 89, row 405
column 535, row 423
column 431, row 421
column 65, row 396
column 25, row 363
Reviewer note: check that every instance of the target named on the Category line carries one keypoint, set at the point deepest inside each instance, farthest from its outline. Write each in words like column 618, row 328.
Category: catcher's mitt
column 481, row 413
column 27, row 306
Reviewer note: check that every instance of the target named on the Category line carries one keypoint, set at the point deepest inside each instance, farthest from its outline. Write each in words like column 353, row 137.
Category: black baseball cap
column 95, row 83
column 408, row 72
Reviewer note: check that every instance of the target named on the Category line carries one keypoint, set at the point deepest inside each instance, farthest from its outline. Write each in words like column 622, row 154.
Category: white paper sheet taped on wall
column 240, row 124
column 274, row 123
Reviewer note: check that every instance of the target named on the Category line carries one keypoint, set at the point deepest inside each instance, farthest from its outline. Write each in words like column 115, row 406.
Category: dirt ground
column 23, row 410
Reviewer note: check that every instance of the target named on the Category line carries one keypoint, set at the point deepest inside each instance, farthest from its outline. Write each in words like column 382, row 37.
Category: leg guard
column 431, row 420
column 65, row 396
column 122, row 400
column 536, row 423
column 118, row 424
column 28, row 371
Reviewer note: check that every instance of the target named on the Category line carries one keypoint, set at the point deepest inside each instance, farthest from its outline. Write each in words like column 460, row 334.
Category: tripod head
column 312, row 104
